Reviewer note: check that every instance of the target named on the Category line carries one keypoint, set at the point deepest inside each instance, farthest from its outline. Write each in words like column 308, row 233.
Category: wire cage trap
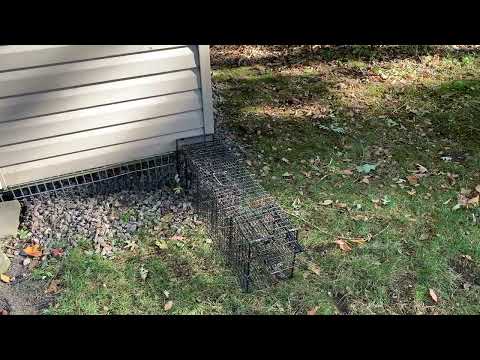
column 254, row 235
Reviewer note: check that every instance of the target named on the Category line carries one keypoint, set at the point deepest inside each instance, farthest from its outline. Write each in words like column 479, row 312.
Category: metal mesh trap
column 254, row 235
column 145, row 174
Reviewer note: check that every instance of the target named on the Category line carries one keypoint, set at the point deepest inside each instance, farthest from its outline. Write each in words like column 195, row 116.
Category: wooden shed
column 70, row 108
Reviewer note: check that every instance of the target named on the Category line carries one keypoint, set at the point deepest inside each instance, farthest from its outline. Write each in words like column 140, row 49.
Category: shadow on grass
column 267, row 104
column 274, row 55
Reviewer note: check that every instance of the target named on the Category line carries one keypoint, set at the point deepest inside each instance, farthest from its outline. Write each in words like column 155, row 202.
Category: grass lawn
column 369, row 149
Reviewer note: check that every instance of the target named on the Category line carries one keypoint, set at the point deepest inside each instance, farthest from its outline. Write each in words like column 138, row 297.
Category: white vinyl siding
column 69, row 108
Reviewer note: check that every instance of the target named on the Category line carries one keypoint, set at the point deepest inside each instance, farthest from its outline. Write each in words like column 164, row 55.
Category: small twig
column 308, row 223
column 401, row 106
column 323, row 177
column 381, row 231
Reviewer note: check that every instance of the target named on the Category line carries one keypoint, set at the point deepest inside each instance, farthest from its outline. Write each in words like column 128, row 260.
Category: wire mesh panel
column 254, row 235
column 146, row 174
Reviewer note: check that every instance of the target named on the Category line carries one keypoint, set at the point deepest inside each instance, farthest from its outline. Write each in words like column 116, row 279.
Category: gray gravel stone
column 64, row 219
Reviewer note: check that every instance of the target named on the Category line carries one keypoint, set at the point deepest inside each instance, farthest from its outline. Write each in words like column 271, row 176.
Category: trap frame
column 254, row 235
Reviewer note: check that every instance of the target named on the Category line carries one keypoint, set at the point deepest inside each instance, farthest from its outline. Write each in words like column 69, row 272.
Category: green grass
column 394, row 112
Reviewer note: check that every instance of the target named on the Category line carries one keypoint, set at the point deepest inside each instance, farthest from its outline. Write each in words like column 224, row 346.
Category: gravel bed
column 109, row 221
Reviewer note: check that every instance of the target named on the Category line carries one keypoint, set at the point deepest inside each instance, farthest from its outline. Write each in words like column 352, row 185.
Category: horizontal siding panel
column 102, row 116
column 24, row 56
column 94, row 95
column 95, row 71
column 34, row 171
column 41, row 149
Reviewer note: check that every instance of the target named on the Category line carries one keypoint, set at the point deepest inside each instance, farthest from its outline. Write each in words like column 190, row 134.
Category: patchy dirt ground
column 23, row 295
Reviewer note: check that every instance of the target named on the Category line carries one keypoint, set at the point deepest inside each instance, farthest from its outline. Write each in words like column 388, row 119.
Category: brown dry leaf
column 474, row 201
column 451, row 178
column 307, row 174
column 168, row 305
column 340, row 205
column 312, row 311
column 477, row 189
column 433, row 295
column 5, row 278
column 314, row 268
column 327, row 202
column 366, row 180
column 177, row 238
column 56, row 252
column 412, row 180
column 360, row 217
column 343, row 245
column 54, row 287
column 467, row 257
column 347, row 172
column 411, row 192
column 359, row 241
column 33, row 251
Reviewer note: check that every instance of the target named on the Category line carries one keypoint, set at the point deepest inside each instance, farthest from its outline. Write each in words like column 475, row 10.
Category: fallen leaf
column 168, row 305
column 451, row 178
column 33, row 251
column 343, row 245
column 468, row 257
column 366, row 168
column 359, row 241
column 162, row 244
column 131, row 245
column 412, row 180
column 177, row 238
column 166, row 293
column 477, row 189
column 421, row 169
column 474, row 201
column 340, row 205
column 312, row 311
column 411, row 192
column 327, row 202
column 54, row 287
column 365, row 180
column 56, row 252
column 360, row 217
column 433, row 295
column 287, row 174
column 5, row 278
column 314, row 268
column 307, row 174
column 347, row 172
column 285, row 160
